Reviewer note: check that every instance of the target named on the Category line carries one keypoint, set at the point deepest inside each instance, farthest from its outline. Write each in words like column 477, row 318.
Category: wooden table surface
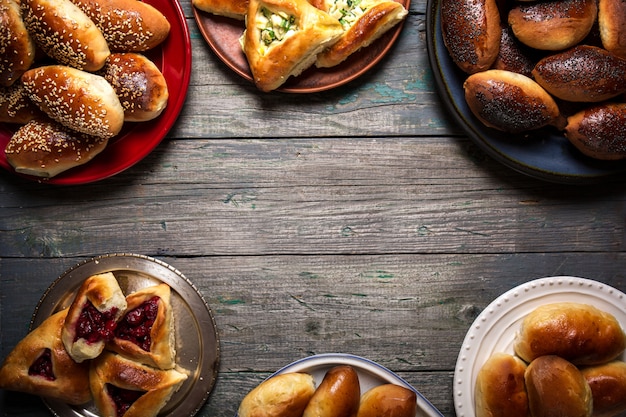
column 359, row 220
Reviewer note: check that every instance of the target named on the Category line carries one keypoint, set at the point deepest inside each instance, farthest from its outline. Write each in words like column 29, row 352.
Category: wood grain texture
column 358, row 220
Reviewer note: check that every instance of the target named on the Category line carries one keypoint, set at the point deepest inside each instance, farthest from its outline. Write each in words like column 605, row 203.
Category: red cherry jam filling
column 43, row 366
column 137, row 324
column 94, row 325
column 123, row 398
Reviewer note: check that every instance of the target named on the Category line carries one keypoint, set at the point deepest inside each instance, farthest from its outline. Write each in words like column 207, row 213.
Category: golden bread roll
column 283, row 38
column 284, row 395
column 500, row 390
column 39, row 365
column 552, row 25
column 80, row 100
column 608, row 387
column 121, row 386
column 127, row 25
column 235, row 9
column 471, row 32
column 512, row 55
column 580, row 333
column 146, row 333
column 363, row 23
column 557, row 388
column 45, row 148
column 582, row 74
column 65, row 33
column 338, row 394
column 388, row 400
column 612, row 24
column 16, row 106
column 510, row 102
column 599, row 131
column 17, row 48
column 97, row 307
column 139, row 84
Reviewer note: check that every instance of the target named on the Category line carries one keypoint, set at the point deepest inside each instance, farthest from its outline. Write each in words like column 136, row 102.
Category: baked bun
column 65, row 33
column 582, row 74
column 599, row 131
column 284, row 395
column 283, row 38
column 556, row 388
column 121, row 386
column 17, row 49
column 39, row 365
column 92, row 317
column 608, row 387
column 500, row 390
column 552, row 25
column 471, row 33
column 338, row 394
column 388, row 400
column 80, row 100
column 513, row 55
column 235, row 9
column 146, row 332
column 45, row 148
column 580, row 333
column 15, row 105
column 127, row 25
column 510, row 102
column 139, row 84
column 612, row 24
column 363, row 23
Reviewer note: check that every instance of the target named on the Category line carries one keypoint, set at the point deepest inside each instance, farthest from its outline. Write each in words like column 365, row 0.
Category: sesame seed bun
column 17, row 49
column 139, row 84
column 65, row 33
column 79, row 100
column 45, row 148
column 16, row 106
column 127, row 25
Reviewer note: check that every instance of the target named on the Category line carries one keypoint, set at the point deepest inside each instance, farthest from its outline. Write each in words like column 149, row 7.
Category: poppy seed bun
column 608, row 387
column 510, row 102
column 46, row 148
column 552, row 25
column 500, row 390
column 17, row 49
column 556, row 388
column 284, row 395
column 580, row 333
column 471, row 33
column 582, row 74
column 139, row 84
column 65, row 33
column 599, row 131
column 127, row 25
column 80, row 100
column 612, row 23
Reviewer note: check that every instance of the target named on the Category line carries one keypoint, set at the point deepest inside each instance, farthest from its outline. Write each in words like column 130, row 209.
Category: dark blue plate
column 544, row 154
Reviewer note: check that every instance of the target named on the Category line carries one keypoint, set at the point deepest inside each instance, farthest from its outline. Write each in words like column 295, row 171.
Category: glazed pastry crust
column 284, row 395
column 235, row 9
column 17, row 48
column 500, row 390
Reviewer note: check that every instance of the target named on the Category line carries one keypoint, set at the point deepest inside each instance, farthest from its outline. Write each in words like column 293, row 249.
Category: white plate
column 370, row 375
column 197, row 344
column 495, row 328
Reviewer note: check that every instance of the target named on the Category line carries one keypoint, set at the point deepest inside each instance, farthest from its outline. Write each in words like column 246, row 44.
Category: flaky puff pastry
column 22, row 369
column 137, row 390
column 363, row 22
column 283, row 38
column 145, row 336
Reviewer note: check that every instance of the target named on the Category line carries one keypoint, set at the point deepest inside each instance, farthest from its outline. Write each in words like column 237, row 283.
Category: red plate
column 222, row 34
column 136, row 140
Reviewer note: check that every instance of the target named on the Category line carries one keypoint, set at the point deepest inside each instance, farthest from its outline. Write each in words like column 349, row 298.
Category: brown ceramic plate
column 222, row 34
column 197, row 344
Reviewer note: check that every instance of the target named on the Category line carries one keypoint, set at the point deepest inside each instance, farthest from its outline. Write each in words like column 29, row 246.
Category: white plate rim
column 364, row 367
column 517, row 302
